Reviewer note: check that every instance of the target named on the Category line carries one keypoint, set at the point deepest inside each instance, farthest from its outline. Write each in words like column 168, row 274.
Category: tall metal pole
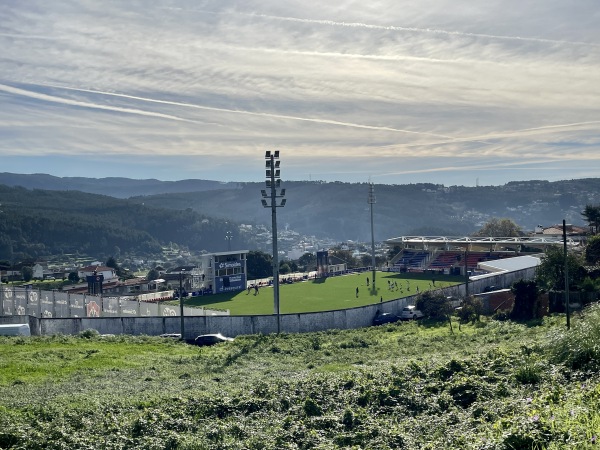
column 567, row 306
column 181, row 304
column 273, row 182
column 228, row 237
column 371, row 202
column 275, row 253
column 466, row 272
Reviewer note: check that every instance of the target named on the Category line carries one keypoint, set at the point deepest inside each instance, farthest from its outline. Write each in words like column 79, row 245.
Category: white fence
column 22, row 301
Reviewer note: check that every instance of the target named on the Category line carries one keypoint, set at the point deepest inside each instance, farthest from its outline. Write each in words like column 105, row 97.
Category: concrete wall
column 240, row 325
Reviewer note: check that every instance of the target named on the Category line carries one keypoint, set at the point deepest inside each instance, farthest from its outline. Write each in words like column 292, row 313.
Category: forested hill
column 341, row 210
column 40, row 222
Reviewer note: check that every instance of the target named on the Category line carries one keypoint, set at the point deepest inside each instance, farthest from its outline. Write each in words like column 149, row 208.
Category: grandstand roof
column 470, row 241
column 509, row 264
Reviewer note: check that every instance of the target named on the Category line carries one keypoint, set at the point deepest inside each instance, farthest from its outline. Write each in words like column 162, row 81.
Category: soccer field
column 326, row 294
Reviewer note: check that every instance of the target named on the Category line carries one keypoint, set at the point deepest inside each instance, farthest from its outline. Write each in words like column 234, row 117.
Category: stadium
column 462, row 255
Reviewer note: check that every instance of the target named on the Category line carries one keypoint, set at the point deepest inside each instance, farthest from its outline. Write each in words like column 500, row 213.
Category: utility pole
column 182, row 326
column 466, row 272
column 567, row 305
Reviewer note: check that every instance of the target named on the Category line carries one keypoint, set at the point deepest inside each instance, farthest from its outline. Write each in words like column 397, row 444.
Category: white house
column 108, row 272
column 38, row 272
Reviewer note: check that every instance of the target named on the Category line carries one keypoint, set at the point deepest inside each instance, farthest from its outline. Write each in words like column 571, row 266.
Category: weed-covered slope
column 497, row 385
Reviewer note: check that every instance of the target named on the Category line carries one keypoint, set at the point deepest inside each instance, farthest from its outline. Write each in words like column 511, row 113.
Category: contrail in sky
column 31, row 36
column 259, row 114
column 64, row 101
column 394, row 28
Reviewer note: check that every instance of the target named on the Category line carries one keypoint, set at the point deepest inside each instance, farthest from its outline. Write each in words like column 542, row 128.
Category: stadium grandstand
column 455, row 255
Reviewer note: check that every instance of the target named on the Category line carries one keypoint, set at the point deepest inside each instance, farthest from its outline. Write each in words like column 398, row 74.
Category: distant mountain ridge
column 117, row 187
column 340, row 210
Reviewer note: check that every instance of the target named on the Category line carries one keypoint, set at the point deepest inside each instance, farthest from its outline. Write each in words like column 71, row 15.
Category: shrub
column 433, row 306
column 470, row 310
column 311, row 408
column 580, row 346
column 90, row 333
column 501, row 315
column 526, row 300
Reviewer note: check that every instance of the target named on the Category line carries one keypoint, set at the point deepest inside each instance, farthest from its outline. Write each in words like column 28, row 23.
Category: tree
column 73, row 277
column 433, row 305
column 112, row 263
column 590, row 285
column 592, row 250
column 550, row 274
column 152, row 275
column 526, row 300
column 27, row 273
column 308, row 262
column 500, row 228
column 293, row 267
column 470, row 310
column 284, row 268
column 259, row 265
column 592, row 216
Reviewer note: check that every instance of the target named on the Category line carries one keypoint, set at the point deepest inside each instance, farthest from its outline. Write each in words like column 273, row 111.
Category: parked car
column 211, row 339
column 383, row 318
column 411, row 313
column 491, row 288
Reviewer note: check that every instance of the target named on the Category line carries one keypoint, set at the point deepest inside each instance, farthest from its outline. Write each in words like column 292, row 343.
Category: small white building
column 107, row 272
column 38, row 272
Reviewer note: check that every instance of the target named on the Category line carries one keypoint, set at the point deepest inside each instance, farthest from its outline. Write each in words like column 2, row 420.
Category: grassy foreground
column 495, row 385
column 326, row 294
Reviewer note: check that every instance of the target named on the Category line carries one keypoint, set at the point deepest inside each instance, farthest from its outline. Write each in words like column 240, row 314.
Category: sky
column 453, row 92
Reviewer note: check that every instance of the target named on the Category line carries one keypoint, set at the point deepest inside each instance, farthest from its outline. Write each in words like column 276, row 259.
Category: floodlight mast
column 372, row 201
column 273, row 182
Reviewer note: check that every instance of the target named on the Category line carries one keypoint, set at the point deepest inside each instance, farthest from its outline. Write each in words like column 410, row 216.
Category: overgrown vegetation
column 492, row 385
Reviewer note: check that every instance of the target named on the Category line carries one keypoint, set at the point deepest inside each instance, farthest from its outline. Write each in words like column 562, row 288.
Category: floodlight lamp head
column 276, row 155
column 283, row 202
column 264, row 202
column 282, row 192
column 268, row 154
column 268, row 184
column 263, row 192
column 277, row 163
column 268, row 173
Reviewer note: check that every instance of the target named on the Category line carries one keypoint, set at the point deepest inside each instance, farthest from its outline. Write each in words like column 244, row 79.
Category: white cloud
column 443, row 86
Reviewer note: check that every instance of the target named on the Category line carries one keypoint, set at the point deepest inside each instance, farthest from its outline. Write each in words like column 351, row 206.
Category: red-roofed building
column 574, row 232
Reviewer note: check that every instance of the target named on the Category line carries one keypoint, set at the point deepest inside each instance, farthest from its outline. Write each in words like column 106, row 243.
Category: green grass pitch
column 325, row 294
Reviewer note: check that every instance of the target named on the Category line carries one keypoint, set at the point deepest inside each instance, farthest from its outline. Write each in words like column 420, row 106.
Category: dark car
column 211, row 339
column 383, row 318
column 491, row 288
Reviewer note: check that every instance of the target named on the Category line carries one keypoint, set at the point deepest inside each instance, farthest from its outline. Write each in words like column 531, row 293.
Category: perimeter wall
column 238, row 325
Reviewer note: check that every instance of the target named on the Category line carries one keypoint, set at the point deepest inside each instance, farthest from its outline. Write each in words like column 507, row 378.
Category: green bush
column 578, row 347
column 90, row 333
column 433, row 305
